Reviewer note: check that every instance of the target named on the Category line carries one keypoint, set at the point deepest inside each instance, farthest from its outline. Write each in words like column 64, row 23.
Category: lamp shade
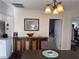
column 55, row 11
column 60, row 8
column 48, row 9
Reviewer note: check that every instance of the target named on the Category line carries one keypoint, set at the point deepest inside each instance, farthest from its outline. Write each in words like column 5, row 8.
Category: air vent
column 18, row 5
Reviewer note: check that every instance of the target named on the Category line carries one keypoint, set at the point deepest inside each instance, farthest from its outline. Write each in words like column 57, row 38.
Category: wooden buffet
column 27, row 43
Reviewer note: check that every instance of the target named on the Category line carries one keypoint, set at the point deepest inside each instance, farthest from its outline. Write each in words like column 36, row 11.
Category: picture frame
column 31, row 24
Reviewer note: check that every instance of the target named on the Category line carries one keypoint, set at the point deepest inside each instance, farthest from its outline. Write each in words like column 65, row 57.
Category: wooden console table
column 27, row 43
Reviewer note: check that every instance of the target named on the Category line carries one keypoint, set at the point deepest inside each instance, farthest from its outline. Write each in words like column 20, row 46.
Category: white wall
column 5, row 9
column 66, row 18
column 20, row 14
column 7, row 15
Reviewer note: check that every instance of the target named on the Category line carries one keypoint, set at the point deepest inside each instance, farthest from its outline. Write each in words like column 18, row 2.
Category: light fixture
column 60, row 7
column 56, row 6
column 55, row 11
column 48, row 9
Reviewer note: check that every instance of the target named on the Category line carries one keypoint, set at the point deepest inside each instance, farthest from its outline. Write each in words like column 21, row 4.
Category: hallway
column 50, row 44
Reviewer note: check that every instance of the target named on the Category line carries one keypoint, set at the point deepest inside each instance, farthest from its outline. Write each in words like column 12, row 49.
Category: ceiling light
column 48, row 9
column 55, row 11
column 55, row 7
column 60, row 7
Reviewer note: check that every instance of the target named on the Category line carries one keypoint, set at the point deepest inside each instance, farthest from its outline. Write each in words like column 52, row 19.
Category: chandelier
column 54, row 8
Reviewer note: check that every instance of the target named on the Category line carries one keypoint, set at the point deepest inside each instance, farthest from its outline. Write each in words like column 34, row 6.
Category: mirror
column 31, row 24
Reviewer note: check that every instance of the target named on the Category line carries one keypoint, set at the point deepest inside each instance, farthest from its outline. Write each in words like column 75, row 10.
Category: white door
column 58, row 33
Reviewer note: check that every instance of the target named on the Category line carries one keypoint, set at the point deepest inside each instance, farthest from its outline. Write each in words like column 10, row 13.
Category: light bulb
column 48, row 10
column 55, row 11
column 60, row 8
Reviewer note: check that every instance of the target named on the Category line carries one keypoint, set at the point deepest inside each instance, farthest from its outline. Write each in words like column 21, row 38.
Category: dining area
column 30, row 48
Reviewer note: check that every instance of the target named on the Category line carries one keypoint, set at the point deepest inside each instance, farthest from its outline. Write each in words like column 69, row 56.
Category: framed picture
column 31, row 24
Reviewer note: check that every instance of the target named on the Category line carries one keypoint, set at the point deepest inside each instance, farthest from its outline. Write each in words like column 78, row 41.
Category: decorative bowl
column 30, row 34
column 50, row 54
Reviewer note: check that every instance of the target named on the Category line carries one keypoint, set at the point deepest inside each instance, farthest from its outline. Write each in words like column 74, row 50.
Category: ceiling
column 40, row 4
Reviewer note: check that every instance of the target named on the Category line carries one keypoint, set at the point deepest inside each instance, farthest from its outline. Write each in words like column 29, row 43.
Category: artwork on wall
column 31, row 24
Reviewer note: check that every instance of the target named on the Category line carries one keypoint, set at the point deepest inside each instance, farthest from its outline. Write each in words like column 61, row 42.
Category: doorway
column 55, row 33
column 75, row 33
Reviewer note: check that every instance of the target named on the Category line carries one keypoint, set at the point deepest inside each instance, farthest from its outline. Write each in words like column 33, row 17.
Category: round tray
column 50, row 54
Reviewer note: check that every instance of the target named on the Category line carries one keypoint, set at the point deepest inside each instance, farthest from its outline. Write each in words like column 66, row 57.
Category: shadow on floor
column 15, row 55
